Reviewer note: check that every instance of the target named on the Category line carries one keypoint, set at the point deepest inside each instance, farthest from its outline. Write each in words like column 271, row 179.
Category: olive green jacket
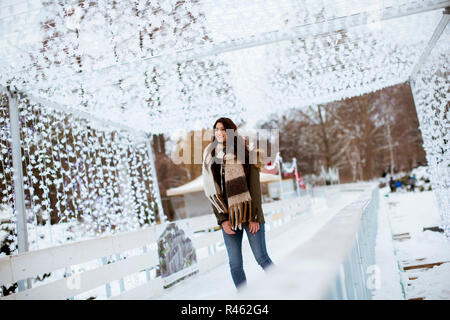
column 254, row 186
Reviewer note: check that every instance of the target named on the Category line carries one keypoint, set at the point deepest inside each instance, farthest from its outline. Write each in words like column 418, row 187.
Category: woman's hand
column 226, row 227
column 253, row 227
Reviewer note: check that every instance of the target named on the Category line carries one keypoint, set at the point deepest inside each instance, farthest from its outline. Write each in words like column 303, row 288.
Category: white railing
column 358, row 274
column 337, row 262
column 142, row 243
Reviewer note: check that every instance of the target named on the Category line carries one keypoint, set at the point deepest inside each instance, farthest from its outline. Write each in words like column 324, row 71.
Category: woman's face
column 220, row 133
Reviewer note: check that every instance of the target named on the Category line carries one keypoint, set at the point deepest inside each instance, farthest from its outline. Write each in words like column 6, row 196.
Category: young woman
column 232, row 185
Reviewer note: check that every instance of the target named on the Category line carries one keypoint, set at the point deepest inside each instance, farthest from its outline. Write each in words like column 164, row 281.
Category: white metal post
column 296, row 176
column 19, row 203
column 162, row 215
column 434, row 39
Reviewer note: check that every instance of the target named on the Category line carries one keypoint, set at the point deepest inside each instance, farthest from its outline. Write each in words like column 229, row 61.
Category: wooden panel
column 85, row 281
column 423, row 266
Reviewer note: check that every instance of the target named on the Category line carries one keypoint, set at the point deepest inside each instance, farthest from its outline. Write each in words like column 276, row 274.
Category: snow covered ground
column 403, row 216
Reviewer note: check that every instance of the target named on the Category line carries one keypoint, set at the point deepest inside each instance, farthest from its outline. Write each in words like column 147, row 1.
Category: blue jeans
column 233, row 243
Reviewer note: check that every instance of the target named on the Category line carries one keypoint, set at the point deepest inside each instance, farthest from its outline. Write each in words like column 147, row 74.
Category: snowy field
column 403, row 217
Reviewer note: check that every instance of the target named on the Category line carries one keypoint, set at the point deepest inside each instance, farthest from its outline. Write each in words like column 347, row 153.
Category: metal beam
column 151, row 154
column 19, row 199
column 83, row 114
column 434, row 38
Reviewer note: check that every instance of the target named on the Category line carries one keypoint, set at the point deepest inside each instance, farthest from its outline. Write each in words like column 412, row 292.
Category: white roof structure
column 171, row 64
column 196, row 185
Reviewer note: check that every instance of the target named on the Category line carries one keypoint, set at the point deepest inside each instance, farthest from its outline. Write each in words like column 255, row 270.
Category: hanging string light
column 90, row 178
column 431, row 89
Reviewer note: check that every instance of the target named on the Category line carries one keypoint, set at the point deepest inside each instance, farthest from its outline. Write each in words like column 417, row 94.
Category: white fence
column 31, row 264
column 358, row 275
column 337, row 262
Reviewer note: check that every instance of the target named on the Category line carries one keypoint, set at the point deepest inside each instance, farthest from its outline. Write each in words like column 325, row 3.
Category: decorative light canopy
column 97, row 180
column 349, row 62
column 167, row 65
column 159, row 65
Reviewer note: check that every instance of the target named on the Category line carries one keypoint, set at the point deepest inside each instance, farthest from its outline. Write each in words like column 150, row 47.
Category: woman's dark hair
column 238, row 142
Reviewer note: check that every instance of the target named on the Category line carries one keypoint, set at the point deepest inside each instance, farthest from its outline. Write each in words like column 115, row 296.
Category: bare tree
column 362, row 136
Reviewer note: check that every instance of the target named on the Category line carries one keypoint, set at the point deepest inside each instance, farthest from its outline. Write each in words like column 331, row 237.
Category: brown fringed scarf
column 238, row 195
